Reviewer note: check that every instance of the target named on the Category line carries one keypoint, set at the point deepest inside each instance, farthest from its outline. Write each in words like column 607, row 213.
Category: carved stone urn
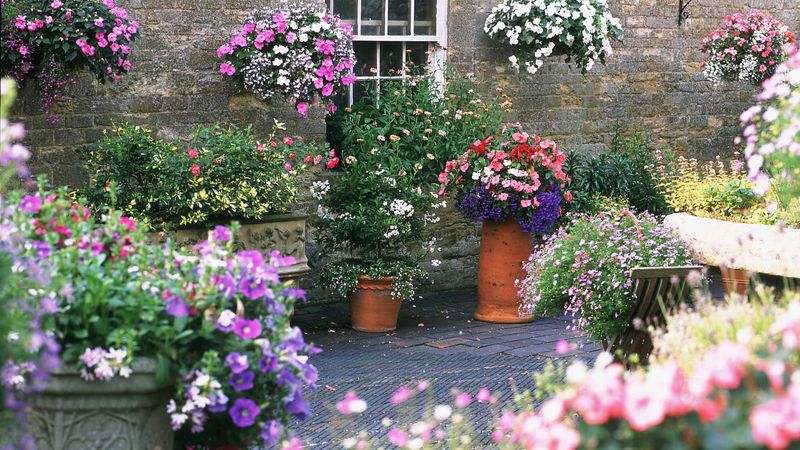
column 118, row 414
column 285, row 233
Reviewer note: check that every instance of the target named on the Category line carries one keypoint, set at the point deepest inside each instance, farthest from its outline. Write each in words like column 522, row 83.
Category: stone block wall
column 653, row 83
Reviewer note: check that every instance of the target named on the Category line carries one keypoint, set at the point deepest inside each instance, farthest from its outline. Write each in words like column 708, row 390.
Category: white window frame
column 439, row 41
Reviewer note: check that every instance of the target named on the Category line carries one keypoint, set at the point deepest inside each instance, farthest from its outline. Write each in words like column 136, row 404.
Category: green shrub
column 624, row 172
column 223, row 174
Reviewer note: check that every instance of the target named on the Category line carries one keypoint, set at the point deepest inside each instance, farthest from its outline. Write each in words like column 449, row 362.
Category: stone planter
column 119, row 414
column 504, row 249
column 285, row 233
column 738, row 248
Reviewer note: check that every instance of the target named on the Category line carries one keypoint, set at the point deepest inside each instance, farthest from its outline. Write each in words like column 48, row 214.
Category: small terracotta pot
column 504, row 249
column 735, row 280
column 373, row 308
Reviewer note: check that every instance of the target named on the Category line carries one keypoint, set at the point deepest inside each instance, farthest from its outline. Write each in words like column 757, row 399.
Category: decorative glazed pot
column 373, row 308
column 120, row 414
column 504, row 249
column 735, row 281
column 285, row 233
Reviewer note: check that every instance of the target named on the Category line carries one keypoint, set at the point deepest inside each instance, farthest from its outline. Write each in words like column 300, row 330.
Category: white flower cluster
column 101, row 364
column 203, row 393
column 400, row 207
column 585, row 28
column 320, row 188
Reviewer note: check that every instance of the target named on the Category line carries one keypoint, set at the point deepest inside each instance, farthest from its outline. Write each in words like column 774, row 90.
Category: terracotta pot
column 373, row 308
column 504, row 249
column 735, row 280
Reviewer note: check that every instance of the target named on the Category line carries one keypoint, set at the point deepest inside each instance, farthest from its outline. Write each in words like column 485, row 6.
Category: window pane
column 372, row 17
column 366, row 58
column 425, row 17
column 363, row 90
column 346, row 9
column 391, row 58
column 417, row 53
column 399, row 14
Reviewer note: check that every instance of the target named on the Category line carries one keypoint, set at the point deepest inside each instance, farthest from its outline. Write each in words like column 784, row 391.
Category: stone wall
column 653, row 83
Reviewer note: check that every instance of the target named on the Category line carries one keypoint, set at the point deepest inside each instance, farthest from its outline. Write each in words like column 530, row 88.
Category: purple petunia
column 226, row 285
column 479, row 204
column 177, row 307
column 296, row 405
column 253, row 287
column 271, row 432
column 237, row 362
column 242, row 381
column 247, row 329
column 244, row 412
column 226, row 321
column 220, row 233
column 41, row 249
column 30, row 204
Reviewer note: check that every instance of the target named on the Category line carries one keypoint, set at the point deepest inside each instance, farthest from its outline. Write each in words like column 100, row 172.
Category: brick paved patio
column 437, row 340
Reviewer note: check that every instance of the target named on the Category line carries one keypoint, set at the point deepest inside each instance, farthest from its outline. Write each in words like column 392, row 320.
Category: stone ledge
column 758, row 248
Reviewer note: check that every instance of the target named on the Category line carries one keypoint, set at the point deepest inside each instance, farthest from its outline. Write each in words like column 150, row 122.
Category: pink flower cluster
column 771, row 128
column 519, row 165
column 33, row 44
column 606, row 395
column 300, row 51
column 747, row 48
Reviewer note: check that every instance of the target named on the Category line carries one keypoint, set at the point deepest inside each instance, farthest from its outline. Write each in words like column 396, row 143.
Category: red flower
column 192, row 153
column 261, row 147
column 288, row 167
column 568, row 196
column 332, row 163
column 195, row 170
column 288, row 140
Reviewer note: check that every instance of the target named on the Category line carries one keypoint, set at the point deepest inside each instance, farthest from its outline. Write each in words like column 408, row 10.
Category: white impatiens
column 583, row 29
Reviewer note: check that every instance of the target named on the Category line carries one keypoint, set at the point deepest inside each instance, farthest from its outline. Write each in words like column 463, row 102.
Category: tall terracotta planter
column 120, row 414
column 504, row 249
column 373, row 308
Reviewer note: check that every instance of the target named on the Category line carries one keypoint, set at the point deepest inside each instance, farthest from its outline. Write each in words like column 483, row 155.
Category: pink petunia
column 227, row 68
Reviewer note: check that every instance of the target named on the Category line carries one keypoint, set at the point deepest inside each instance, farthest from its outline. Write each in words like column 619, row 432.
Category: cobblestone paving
column 437, row 340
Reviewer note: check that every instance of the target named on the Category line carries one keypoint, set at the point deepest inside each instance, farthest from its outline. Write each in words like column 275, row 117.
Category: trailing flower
column 301, row 51
column 771, row 132
column 515, row 176
column 747, row 48
column 535, row 29
column 583, row 270
column 48, row 41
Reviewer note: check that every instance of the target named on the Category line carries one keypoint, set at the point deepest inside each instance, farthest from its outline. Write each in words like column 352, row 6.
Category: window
column 388, row 35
